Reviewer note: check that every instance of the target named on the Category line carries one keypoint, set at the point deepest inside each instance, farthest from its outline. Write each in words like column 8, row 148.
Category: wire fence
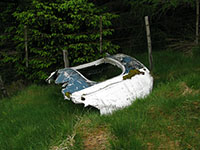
column 128, row 37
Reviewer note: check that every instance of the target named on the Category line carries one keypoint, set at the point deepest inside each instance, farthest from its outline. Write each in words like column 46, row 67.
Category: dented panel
column 134, row 82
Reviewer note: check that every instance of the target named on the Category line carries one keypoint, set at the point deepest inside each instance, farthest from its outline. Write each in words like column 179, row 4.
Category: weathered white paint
column 115, row 93
column 109, row 95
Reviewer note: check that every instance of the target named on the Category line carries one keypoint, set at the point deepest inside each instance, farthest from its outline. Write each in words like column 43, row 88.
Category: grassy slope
column 168, row 118
column 36, row 119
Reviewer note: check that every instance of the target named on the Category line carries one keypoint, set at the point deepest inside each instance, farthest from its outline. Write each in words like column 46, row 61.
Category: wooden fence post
column 197, row 22
column 26, row 45
column 100, row 34
column 65, row 58
column 149, row 43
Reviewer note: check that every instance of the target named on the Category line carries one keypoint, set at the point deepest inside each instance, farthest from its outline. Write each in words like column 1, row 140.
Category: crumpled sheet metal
column 115, row 93
column 109, row 95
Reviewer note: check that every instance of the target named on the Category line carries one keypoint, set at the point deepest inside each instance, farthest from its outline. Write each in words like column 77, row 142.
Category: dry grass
column 93, row 137
column 185, row 90
column 97, row 139
column 165, row 143
column 182, row 45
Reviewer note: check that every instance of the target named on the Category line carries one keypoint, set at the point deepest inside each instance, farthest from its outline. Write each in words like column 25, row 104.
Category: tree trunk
column 197, row 22
column 100, row 34
column 26, row 45
column 3, row 89
column 65, row 58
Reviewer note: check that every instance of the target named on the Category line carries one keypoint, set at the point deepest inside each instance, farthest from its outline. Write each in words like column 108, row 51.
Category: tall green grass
column 169, row 117
column 39, row 118
column 36, row 118
column 165, row 119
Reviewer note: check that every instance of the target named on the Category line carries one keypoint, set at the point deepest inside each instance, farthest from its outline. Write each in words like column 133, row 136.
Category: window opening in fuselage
column 100, row 72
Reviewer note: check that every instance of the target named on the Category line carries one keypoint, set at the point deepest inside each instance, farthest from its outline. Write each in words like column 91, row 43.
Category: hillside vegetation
column 39, row 118
column 34, row 33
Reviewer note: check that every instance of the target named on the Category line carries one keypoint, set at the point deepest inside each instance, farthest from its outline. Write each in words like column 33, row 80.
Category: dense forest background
column 73, row 25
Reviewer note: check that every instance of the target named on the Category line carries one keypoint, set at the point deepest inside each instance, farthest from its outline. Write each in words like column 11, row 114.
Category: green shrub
column 54, row 26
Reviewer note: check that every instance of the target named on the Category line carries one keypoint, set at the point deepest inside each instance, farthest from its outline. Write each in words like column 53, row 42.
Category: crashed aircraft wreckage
column 118, row 92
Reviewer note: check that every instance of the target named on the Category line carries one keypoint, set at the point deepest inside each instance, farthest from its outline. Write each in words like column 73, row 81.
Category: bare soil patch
column 95, row 137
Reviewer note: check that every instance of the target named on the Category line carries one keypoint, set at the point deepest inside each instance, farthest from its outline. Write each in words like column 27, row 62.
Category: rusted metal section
column 118, row 92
